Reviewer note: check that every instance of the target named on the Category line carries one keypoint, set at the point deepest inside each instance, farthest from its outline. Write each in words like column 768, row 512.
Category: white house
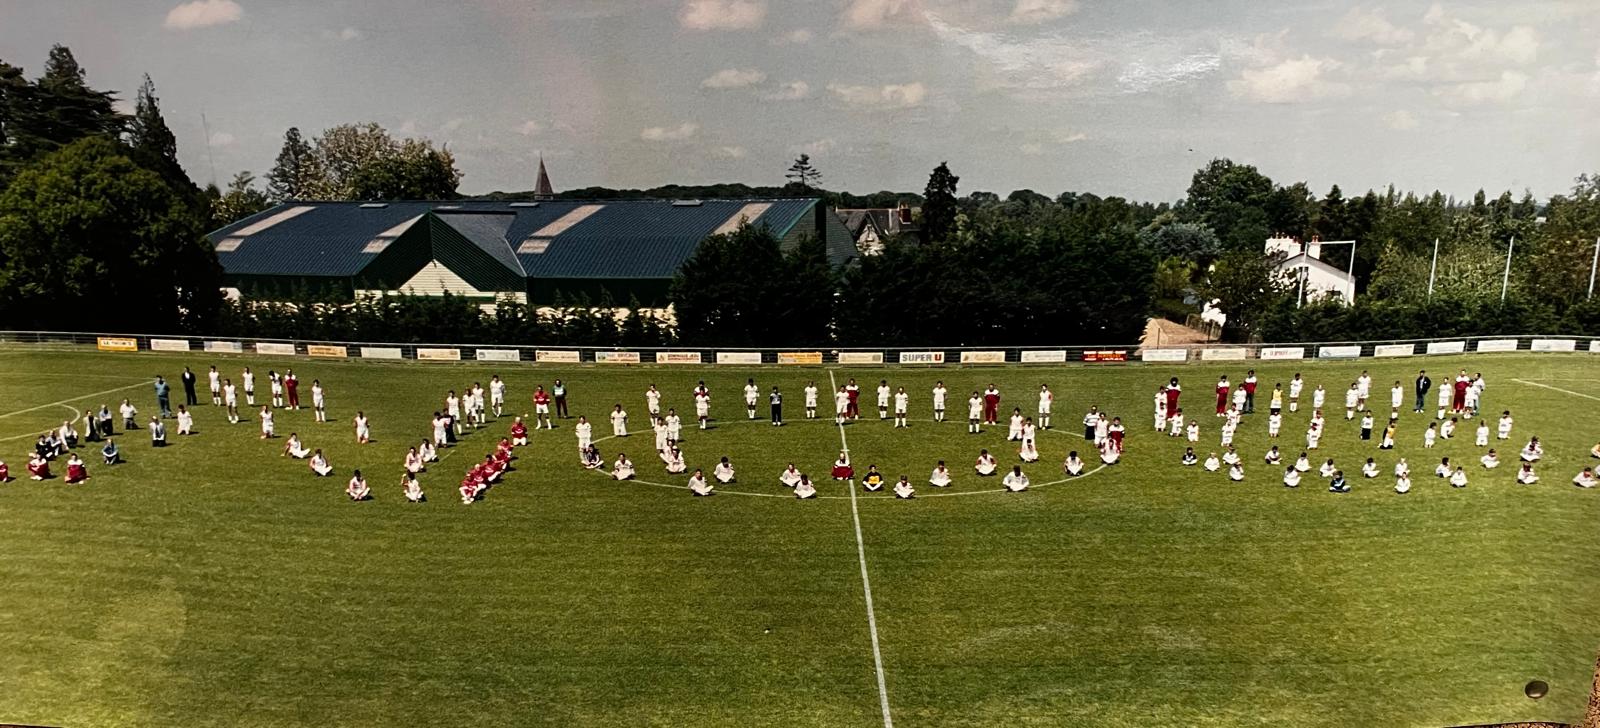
column 1306, row 270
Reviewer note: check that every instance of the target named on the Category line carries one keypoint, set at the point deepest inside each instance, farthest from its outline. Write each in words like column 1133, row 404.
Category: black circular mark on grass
column 1536, row 689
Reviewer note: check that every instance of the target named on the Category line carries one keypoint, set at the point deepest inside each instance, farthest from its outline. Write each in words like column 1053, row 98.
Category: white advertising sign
column 1228, row 354
column 677, row 357
column 559, row 356
column 738, row 357
column 1282, row 352
column 1164, row 355
column 439, row 354
column 860, row 357
column 921, row 357
column 275, row 349
column 1394, row 350
column 1497, row 345
column 382, row 352
column 169, row 344
column 1044, row 357
column 498, row 355
column 1339, row 352
column 1544, row 345
column 616, row 357
column 224, row 347
column 1446, row 347
column 983, row 357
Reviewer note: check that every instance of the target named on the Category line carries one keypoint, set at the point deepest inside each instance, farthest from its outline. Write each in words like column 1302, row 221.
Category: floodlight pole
column 1432, row 270
column 1505, row 282
column 1593, row 265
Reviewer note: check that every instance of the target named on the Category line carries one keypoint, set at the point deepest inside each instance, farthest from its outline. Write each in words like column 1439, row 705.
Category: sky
column 1117, row 98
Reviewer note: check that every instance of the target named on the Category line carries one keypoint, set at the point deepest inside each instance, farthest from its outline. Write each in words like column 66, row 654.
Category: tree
column 939, row 204
column 803, row 173
column 152, row 144
column 1244, row 284
column 90, row 240
column 1232, row 199
column 241, row 200
column 297, row 174
column 805, row 308
column 726, row 293
column 70, row 109
column 1183, row 240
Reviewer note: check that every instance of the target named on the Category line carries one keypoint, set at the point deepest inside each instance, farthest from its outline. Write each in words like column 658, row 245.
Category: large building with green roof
column 532, row 251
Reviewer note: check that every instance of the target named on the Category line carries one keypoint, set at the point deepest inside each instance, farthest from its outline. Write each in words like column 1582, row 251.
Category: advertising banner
column 738, row 357
column 1488, row 345
column 382, row 352
column 1164, row 355
column 438, row 354
column 557, row 356
column 616, row 357
column 921, row 357
column 275, row 349
column 1339, row 352
column 498, row 355
column 1232, row 353
column 116, row 343
column 1119, row 355
column 1554, row 345
column 860, row 357
column 224, row 347
column 1044, row 357
column 983, row 357
column 169, row 344
column 1446, row 347
column 1281, row 352
column 328, row 351
column 799, row 357
column 1394, row 350
column 677, row 357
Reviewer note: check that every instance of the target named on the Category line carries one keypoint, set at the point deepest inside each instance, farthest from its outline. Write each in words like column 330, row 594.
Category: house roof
column 544, row 239
column 1296, row 261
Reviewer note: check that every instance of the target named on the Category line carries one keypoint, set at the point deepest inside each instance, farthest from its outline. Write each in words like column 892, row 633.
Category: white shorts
column 542, row 409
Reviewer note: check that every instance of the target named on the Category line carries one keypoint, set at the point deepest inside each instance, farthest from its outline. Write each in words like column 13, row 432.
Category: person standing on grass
column 702, row 405
column 752, row 394
column 214, row 378
column 939, row 394
column 775, row 403
column 363, row 428
column 811, row 399
column 291, row 388
column 991, row 405
column 559, row 390
column 883, row 399
column 318, row 404
column 497, row 395
column 652, row 401
column 1459, row 401
column 163, row 396
column 1222, row 395
column 902, row 403
column 247, row 380
column 1421, row 387
column 541, row 409
column 1046, row 401
column 1161, row 409
column 188, row 387
column 841, row 406
column 853, row 394
column 619, row 421
column 584, row 431
column 1172, row 393
column 974, row 414
column 1250, row 392
column 1295, row 386
column 1093, row 418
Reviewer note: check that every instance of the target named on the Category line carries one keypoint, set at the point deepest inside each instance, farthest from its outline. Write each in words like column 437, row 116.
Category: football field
column 215, row 582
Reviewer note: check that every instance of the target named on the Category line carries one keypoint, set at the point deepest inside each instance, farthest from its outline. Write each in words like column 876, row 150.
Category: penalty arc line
column 72, row 399
column 866, row 583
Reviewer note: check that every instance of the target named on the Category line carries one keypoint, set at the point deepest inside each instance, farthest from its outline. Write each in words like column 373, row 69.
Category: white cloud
column 815, row 148
column 1047, row 63
column 407, row 127
column 1290, row 81
column 875, row 14
column 791, row 91
column 731, row 152
column 889, row 96
column 1139, row 76
column 798, row 36
column 203, row 14
column 722, row 14
column 454, row 124
column 1068, row 137
column 530, row 128
column 1502, row 89
column 1031, row 149
column 1040, row 11
column 1361, row 24
column 1401, row 120
column 351, row 34
column 734, row 78
column 222, row 139
column 670, row 133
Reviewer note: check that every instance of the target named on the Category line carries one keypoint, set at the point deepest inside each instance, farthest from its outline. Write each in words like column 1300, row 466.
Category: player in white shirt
column 652, row 401
column 440, row 437
column 902, row 403
column 1352, row 400
column 811, row 402
column 619, row 421
column 414, row 463
column 1429, row 436
column 883, row 399
column 1585, row 479
column 660, row 429
column 790, row 476
column 1227, row 433
column 1273, row 456
column 294, row 448
column 363, row 428
column 1369, row 469
column 1319, row 397
column 841, row 405
column 1526, row 476
column 216, row 386
column 1291, row 477
column 318, row 404
column 1503, row 430
column 974, row 413
column 266, row 422
column 1046, row 401
column 1295, row 385
column 1213, row 463
column 248, row 379
column 675, row 463
column 939, row 393
column 1491, row 460
column 497, row 395
column 1458, row 479
column 751, row 396
column 1443, row 469
column 480, row 403
column 1073, row 465
column 1397, row 395
column 1447, row 429
column 230, row 398
column 986, row 464
column 1364, row 385
column 1446, row 393
column 723, row 472
column 1533, row 451
column 276, row 384
column 1102, row 430
column 940, row 477
column 1236, row 472
column 903, row 489
column 1303, row 463
column 320, row 465
column 1274, row 424
column 452, row 407
column 1313, row 436
column 804, row 490
column 585, row 433
column 1015, row 481
column 1161, row 409
column 412, row 489
column 357, row 487
column 699, row 486
column 1176, row 421
column 1192, row 431
column 674, row 425
column 1014, row 427
column 702, row 405
column 1029, row 451
column 1328, row 469
column 1481, row 437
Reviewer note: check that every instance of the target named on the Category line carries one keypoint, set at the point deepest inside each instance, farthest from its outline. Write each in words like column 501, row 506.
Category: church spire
column 542, row 189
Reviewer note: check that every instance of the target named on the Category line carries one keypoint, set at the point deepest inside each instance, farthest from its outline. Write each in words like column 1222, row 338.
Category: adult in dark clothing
column 188, row 388
column 1422, row 386
column 776, row 401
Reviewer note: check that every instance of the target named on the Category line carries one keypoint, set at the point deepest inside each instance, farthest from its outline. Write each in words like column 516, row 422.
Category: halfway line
column 866, row 584
column 1557, row 389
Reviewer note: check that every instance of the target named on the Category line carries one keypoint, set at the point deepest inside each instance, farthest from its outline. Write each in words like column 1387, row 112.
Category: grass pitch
column 216, row 583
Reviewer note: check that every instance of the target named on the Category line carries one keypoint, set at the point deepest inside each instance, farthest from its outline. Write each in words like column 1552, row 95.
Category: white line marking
column 866, row 583
column 1557, row 389
column 75, row 399
column 75, row 418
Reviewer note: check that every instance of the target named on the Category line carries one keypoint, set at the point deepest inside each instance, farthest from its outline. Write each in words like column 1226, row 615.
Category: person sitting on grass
column 675, row 462
column 412, row 489
column 804, row 489
column 1458, row 479
column 319, row 464
column 158, row 432
column 1338, row 484
column 110, row 452
column 77, row 470
column 1189, row 458
column 1443, row 469
column 1585, row 479
column 519, row 433
column 1213, row 463
column 1291, row 477
column 841, row 467
column 1526, row 476
column 1236, row 472
column 1274, row 457
column 294, row 448
column 1369, row 469
column 872, row 482
column 903, row 489
column 1110, row 451
column 940, row 478
column 1402, row 482
column 1073, row 465
column 790, row 477
column 1231, row 456
column 698, row 484
column 1015, row 481
column 622, row 469
column 414, row 463
column 1490, row 460
column 1533, row 451
column 429, row 453
column 38, row 467
column 985, row 466
column 1303, row 463
column 357, row 487
column 723, row 471
column 471, row 489
column 5, row 472
column 1328, row 469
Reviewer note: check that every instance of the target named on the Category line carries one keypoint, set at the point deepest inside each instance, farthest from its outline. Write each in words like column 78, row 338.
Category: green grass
column 215, row 583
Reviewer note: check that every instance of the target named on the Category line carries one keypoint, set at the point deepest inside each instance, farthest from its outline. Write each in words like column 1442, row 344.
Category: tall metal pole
column 1593, row 265
column 1435, row 268
column 1505, row 282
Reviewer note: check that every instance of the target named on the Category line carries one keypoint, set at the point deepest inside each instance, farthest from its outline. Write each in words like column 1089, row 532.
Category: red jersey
column 519, row 430
column 541, row 397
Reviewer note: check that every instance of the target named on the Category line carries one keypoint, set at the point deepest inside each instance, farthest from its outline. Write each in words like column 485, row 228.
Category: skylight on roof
column 687, row 203
column 533, row 246
column 565, row 222
column 375, row 246
column 524, row 204
column 748, row 213
column 382, row 240
column 228, row 245
column 374, row 205
column 271, row 220
column 448, row 207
